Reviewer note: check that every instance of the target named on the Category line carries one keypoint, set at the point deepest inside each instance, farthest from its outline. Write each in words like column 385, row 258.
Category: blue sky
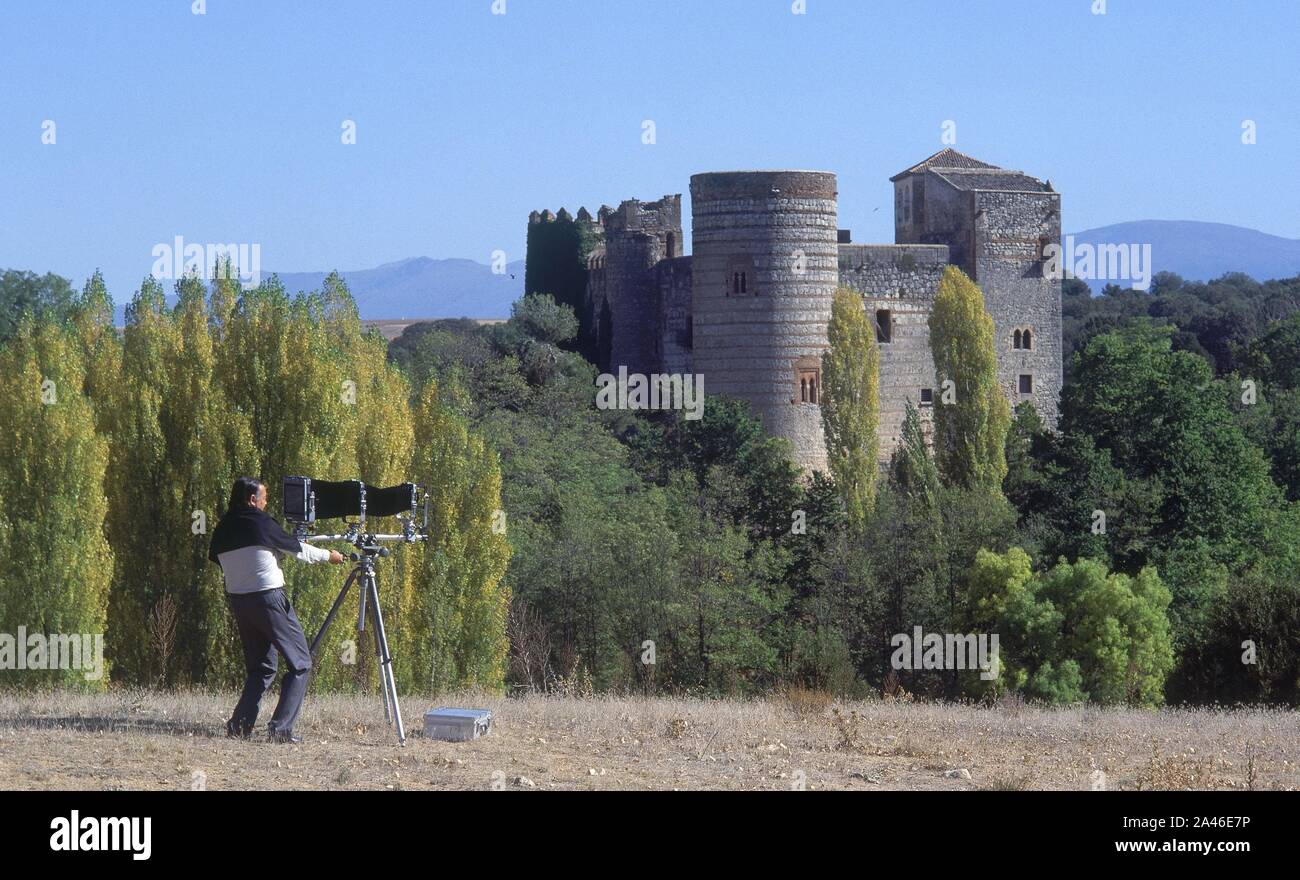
column 225, row 127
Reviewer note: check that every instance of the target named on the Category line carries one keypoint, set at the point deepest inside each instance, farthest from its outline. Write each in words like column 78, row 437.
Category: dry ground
column 150, row 740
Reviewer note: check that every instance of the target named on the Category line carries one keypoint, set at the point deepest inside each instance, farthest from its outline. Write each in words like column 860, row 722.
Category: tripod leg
column 379, row 654
column 363, row 594
column 315, row 643
column 386, row 664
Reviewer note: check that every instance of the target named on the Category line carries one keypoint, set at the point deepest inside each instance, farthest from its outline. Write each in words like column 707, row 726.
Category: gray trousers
column 268, row 629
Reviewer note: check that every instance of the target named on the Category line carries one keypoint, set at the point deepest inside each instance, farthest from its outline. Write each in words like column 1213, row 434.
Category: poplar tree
column 850, row 405
column 971, row 413
column 58, row 564
column 209, row 443
column 454, row 611
column 136, row 472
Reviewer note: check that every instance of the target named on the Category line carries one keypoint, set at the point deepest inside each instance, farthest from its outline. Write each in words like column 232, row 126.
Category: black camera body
column 307, row 500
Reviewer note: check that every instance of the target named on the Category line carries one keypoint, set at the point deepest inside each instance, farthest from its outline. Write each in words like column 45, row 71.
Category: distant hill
column 1201, row 251
column 425, row 288
column 419, row 287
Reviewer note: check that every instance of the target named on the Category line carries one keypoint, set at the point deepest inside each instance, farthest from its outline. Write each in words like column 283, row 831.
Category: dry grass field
column 149, row 740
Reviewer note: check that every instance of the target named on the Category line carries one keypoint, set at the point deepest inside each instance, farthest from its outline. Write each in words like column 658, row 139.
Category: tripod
column 364, row 572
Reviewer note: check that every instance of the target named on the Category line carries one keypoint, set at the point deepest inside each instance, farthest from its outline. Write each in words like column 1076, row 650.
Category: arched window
column 739, row 268
column 1028, row 340
column 807, row 372
column 1015, row 341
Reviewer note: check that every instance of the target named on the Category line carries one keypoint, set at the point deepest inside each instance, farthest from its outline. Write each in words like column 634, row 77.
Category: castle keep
column 749, row 307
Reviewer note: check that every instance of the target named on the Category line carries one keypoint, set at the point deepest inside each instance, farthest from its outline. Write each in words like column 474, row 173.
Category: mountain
column 425, row 288
column 1199, row 251
column 419, row 287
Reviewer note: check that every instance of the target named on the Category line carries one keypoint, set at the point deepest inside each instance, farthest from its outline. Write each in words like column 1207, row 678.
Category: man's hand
column 337, row 558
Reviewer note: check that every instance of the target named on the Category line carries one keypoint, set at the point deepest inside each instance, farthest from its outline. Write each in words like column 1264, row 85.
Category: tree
column 57, row 562
column 850, row 405
column 44, row 296
column 971, row 422
column 1076, row 632
column 454, row 608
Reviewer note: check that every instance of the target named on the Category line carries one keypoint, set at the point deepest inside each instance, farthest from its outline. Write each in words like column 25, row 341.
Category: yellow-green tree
column 91, row 318
column 209, row 443
column 850, row 405
column 57, row 562
column 971, row 414
column 454, row 611
column 176, row 445
column 281, row 365
column 136, row 473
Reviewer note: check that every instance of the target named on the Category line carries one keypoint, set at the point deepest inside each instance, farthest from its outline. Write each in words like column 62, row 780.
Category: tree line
column 125, row 445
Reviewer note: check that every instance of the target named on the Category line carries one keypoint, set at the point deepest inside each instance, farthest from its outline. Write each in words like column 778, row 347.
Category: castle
column 748, row 309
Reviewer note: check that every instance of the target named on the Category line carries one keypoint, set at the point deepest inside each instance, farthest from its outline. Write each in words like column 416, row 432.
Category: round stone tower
column 765, row 266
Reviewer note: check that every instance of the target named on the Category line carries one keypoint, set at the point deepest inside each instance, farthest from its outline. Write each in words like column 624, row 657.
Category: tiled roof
column 996, row 181
column 945, row 158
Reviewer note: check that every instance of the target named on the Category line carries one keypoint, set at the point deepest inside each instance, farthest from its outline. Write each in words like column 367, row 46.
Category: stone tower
column 996, row 223
column 638, row 237
column 765, row 267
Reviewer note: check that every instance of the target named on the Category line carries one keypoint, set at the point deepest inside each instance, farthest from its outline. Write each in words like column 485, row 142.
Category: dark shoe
column 239, row 729
column 284, row 736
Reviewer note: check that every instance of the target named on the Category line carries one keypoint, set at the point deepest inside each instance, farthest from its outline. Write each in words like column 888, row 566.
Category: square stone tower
column 997, row 224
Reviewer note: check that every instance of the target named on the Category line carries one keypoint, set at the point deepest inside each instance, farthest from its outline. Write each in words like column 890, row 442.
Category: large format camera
column 307, row 500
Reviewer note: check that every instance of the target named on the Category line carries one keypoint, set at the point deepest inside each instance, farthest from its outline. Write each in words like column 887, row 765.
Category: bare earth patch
column 148, row 740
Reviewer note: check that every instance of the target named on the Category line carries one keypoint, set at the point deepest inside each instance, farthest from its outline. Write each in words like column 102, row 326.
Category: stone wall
column 901, row 280
column 673, row 279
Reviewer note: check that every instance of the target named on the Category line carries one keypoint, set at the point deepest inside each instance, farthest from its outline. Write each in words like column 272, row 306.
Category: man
column 248, row 544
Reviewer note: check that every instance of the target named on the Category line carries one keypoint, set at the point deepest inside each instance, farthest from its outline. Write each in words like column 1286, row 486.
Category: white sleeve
column 310, row 553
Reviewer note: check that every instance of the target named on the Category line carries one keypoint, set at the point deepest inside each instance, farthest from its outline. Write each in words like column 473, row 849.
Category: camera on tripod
column 307, row 500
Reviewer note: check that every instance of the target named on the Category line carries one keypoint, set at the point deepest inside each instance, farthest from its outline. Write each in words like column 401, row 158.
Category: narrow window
column 927, row 397
column 884, row 326
column 809, row 384
column 1026, row 383
column 744, row 285
column 1015, row 340
column 1028, row 340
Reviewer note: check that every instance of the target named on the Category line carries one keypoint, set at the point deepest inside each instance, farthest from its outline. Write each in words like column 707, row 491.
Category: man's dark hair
column 244, row 488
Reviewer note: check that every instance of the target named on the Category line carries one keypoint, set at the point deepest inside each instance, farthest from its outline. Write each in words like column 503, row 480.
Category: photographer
column 247, row 543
